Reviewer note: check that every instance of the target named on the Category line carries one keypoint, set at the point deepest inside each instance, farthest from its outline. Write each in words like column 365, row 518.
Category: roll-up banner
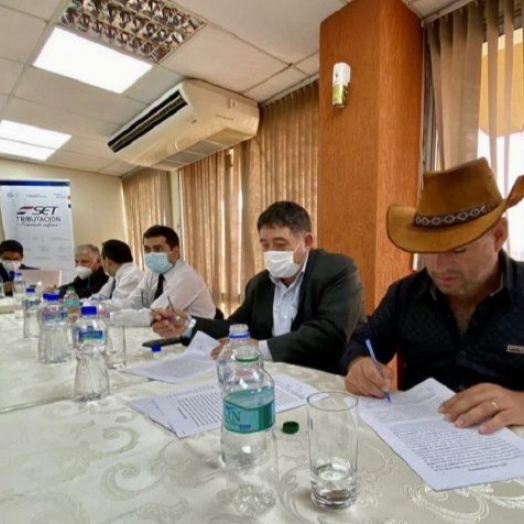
column 37, row 213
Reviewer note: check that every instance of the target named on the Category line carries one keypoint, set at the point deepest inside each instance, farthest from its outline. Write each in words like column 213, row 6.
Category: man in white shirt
column 125, row 276
column 170, row 282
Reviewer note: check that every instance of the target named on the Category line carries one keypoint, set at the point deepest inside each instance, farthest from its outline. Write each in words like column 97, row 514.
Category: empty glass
column 333, row 448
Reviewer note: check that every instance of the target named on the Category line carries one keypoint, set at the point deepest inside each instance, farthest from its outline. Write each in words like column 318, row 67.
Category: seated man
column 461, row 319
column 90, row 273
column 12, row 254
column 124, row 276
column 302, row 309
column 169, row 281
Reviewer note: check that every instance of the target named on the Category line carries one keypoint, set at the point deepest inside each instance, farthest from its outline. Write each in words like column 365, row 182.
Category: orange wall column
column 369, row 151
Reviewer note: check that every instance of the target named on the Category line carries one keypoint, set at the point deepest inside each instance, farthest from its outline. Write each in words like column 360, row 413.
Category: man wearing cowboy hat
column 461, row 319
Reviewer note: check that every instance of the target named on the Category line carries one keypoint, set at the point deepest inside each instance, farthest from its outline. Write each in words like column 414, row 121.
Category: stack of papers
column 446, row 457
column 194, row 362
column 199, row 408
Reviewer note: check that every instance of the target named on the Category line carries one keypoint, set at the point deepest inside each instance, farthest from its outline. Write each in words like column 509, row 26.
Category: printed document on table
column 199, row 408
column 193, row 362
column 446, row 457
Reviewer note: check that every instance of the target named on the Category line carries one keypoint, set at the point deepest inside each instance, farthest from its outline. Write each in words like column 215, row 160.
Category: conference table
column 65, row 462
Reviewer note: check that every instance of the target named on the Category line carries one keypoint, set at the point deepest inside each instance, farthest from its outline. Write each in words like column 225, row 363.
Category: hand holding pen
column 377, row 366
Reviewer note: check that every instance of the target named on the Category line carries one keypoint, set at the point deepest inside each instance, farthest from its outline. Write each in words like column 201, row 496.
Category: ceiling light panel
column 148, row 29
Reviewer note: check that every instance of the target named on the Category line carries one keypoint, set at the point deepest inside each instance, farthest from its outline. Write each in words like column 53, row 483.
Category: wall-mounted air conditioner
column 189, row 122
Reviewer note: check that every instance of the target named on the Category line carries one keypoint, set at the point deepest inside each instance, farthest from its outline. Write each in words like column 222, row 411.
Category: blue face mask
column 157, row 262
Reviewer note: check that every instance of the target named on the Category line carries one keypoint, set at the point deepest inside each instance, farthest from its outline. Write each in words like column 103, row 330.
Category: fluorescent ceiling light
column 32, row 135
column 75, row 57
column 9, row 147
column 29, row 141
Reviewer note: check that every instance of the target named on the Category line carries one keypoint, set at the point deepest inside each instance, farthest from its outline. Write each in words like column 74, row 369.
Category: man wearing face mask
column 124, row 276
column 302, row 309
column 90, row 273
column 169, row 279
column 12, row 254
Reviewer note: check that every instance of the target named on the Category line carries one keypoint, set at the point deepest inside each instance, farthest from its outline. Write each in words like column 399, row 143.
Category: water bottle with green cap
column 247, row 437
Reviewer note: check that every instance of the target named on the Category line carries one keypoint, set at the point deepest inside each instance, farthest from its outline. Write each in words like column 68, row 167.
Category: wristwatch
column 190, row 324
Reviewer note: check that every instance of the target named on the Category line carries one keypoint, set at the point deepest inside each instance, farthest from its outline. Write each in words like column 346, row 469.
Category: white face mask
column 83, row 272
column 11, row 265
column 280, row 264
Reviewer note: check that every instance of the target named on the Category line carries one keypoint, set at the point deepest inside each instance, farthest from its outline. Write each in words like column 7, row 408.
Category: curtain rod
column 453, row 6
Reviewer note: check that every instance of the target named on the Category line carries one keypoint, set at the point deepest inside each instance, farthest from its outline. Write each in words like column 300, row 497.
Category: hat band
column 451, row 219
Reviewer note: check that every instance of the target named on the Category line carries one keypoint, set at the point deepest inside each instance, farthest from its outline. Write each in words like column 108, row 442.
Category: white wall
column 96, row 200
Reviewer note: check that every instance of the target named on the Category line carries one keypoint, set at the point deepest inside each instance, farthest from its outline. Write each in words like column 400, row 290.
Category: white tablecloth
column 6, row 305
column 64, row 462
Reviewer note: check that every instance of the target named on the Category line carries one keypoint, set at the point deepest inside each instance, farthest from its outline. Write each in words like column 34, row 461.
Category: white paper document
column 446, row 457
column 193, row 362
column 199, row 408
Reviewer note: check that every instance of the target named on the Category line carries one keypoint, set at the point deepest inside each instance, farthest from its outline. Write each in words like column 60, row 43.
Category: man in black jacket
column 12, row 254
column 90, row 273
column 301, row 309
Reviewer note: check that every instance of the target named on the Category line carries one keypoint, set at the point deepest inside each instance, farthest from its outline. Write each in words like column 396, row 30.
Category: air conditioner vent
column 154, row 116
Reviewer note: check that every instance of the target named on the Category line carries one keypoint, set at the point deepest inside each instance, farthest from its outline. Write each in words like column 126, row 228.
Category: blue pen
column 377, row 365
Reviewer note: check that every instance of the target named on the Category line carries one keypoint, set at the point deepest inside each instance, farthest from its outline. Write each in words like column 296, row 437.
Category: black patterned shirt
column 415, row 320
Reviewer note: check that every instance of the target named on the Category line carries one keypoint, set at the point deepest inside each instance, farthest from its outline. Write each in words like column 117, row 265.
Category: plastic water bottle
column 92, row 374
column 238, row 338
column 18, row 284
column 42, row 333
column 18, row 295
column 31, row 308
column 56, row 347
column 72, row 305
column 247, row 438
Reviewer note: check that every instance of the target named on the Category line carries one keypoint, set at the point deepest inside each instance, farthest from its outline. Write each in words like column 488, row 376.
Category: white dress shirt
column 183, row 285
column 126, row 280
column 285, row 307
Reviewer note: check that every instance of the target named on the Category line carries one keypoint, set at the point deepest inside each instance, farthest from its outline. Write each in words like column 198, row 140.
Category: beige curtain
column 502, row 105
column 147, row 202
column 285, row 150
column 223, row 194
column 455, row 42
column 477, row 63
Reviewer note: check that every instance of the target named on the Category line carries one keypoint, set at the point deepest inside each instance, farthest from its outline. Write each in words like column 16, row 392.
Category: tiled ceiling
column 255, row 47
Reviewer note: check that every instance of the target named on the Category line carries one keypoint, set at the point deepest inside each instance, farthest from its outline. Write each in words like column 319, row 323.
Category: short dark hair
column 117, row 251
column 163, row 231
column 285, row 214
column 11, row 245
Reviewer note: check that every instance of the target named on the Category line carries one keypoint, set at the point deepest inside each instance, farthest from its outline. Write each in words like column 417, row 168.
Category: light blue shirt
column 285, row 307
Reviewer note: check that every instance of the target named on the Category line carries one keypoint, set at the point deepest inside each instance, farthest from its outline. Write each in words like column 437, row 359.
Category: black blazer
column 330, row 306
column 88, row 286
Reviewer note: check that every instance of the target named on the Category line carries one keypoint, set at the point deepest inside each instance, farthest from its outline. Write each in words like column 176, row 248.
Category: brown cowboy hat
column 456, row 207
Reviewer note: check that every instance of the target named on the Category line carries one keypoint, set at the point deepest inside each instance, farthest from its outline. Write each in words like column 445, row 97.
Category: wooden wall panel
column 369, row 150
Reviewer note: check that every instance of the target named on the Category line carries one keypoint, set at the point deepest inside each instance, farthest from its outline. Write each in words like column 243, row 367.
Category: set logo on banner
column 37, row 213
column 38, row 216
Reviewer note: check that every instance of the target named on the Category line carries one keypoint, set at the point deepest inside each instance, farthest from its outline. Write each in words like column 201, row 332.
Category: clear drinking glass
column 333, row 448
column 115, row 346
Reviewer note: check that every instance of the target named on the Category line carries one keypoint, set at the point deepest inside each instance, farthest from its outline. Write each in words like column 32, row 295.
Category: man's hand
column 491, row 406
column 168, row 322
column 216, row 351
column 363, row 378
